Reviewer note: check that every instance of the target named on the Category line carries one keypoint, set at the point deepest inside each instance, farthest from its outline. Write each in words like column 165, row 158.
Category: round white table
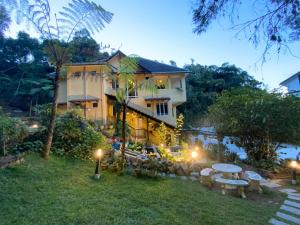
column 226, row 169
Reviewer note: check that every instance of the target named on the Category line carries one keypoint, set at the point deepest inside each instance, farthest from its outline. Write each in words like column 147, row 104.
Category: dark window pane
column 157, row 109
column 161, row 109
column 166, row 108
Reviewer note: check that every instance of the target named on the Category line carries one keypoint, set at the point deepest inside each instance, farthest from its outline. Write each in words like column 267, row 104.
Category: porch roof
column 82, row 98
column 157, row 99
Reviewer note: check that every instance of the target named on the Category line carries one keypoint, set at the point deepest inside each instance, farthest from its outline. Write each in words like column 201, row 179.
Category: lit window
column 162, row 108
column 160, row 84
column 132, row 89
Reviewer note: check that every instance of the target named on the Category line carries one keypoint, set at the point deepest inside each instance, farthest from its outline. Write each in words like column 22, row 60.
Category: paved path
column 289, row 212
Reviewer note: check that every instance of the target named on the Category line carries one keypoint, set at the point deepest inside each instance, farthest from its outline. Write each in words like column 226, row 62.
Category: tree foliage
column 12, row 133
column 83, row 48
column 276, row 23
column 57, row 30
column 257, row 120
column 204, row 83
column 4, row 20
column 23, row 69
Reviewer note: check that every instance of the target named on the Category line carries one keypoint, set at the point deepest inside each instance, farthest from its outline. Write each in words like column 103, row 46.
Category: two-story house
column 293, row 84
column 91, row 87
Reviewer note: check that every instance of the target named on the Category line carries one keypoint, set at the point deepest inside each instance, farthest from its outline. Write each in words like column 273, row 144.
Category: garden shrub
column 12, row 133
column 75, row 137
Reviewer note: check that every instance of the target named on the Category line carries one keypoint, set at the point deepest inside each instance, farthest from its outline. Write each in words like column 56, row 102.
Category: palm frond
column 84, row 14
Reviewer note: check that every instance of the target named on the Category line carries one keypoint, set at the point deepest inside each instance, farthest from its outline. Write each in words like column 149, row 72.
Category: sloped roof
column 157, row 67
column 151, row 66
column 145, row 65
column 290, row 78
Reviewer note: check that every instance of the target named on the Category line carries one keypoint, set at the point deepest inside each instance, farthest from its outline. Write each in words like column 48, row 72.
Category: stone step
column 295, row 194
column 269, row 184
column 288, row 190
column 290, row 209
column 288, row 217
column 294, row 197
column 290, row 203
column 277, row 222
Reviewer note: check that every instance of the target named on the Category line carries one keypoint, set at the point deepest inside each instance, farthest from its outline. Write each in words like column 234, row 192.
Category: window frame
column 162, row 108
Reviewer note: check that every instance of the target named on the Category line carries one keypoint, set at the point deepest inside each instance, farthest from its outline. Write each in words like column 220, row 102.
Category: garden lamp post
column 294, row 171
column 97, row 170
column 194, row 155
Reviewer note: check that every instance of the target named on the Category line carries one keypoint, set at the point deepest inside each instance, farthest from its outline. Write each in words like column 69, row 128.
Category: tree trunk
column 51, row 125
column 124, row 106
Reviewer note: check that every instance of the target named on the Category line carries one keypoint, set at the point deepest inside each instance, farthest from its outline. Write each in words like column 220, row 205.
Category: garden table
column 227, row 169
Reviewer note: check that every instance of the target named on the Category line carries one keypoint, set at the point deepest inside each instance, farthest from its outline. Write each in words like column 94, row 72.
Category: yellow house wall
column 62, row 92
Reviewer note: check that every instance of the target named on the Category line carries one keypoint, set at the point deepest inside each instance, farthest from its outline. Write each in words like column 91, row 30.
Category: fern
column 77, row 14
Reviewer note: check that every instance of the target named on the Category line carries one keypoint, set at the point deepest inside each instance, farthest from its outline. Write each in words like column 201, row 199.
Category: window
column 148, row 105
column 114, row 84
column 93, row 73
column 95, row 105
column 162, row 108
column 180, row 84
column 132, row 89
column 77, row 74
column 160, row 84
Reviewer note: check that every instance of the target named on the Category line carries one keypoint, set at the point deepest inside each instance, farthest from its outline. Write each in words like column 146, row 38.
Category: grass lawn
column 61, row 191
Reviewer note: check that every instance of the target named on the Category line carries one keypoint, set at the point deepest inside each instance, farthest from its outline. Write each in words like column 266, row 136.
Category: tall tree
column 84, row 48
column 127, row 84
column 204, row 83
column 23, row 69
column 58, row 30
column 258, row 121
column 274, row 22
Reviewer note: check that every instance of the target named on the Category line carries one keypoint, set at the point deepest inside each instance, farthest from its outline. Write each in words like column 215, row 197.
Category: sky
column 163, row 30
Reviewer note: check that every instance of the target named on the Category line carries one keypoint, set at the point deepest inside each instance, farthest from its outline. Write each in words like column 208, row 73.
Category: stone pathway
column 289, row 211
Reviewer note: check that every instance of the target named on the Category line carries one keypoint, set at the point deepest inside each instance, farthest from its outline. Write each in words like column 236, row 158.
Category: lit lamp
column 168, row 150
column 34, row 126
column 97, row 170
column 194, row 154
column 294, row 172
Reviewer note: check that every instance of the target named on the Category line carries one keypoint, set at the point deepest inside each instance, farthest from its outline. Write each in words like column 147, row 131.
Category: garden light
column 34, row 126
column 294, row 165
column 97, row 170
column 194, row 154
column 168, row 150
column 197, row 148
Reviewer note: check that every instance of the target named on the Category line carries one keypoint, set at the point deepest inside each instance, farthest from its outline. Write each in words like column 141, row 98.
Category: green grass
column 62, row 191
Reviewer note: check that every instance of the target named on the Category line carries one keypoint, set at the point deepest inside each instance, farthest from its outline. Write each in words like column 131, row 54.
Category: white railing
column 150, row 113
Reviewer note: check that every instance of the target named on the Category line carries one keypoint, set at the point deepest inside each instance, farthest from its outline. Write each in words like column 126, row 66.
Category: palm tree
column 57, row 30
column 126, row 76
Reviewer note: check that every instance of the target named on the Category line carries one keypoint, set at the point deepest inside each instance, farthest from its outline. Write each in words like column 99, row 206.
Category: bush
column 12, row 133
column 75, row 137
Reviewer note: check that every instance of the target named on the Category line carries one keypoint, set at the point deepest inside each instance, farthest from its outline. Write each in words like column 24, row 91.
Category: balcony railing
column 166, row 119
